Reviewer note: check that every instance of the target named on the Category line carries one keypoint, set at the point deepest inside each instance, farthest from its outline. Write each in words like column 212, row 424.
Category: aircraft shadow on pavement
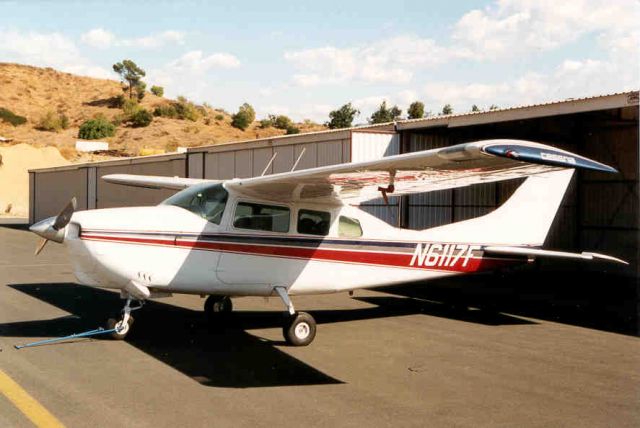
column 594, row 300
column 229, row 357
column 177, row 336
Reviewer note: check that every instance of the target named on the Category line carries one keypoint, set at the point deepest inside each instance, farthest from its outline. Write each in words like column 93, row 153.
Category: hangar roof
column 553, row 108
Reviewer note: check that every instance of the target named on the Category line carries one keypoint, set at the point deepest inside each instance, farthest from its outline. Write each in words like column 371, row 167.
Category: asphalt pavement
column 426, row 355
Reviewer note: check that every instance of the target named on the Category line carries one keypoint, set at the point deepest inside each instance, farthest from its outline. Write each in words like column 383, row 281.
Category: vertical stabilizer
column 523, row 220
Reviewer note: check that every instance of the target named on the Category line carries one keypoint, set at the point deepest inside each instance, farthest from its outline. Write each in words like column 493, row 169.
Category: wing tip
column 545, row 155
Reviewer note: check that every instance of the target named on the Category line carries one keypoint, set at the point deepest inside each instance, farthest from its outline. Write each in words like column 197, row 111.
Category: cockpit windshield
column 206, row 200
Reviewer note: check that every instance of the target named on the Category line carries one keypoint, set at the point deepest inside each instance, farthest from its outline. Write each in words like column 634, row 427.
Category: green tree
column 158, row 91
column 385, row 114
column 447, row 109
column 244, row 117
column 493, row 107
column 129, row 72
column 416, row 110
column 342, row 117
column 475, row 108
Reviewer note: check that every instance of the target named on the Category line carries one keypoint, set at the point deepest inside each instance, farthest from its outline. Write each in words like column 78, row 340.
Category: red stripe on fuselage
column 401, row 260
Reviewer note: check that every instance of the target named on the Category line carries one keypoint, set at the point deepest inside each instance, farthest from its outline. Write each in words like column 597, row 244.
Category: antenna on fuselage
column 269, row 163
column 298, row 160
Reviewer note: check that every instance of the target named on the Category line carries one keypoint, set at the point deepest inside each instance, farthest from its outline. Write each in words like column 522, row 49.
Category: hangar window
column 314, row 222
column 270, row 218
column 349, row 227
column 206, row 200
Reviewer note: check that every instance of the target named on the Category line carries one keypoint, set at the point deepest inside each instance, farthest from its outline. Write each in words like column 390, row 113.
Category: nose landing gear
column 122, row 325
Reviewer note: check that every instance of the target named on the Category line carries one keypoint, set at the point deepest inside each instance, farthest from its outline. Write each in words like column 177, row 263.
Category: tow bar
column 62, row 339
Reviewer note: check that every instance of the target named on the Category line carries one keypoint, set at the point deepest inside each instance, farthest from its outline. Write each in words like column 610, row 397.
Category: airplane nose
column 45, row 229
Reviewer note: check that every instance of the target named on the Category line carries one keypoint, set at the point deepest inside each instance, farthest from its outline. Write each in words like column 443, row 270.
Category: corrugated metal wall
column 115, row 195
column 242, row 163
column 53, row 189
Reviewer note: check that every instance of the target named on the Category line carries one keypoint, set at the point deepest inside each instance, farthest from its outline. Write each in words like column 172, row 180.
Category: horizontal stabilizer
column 535, row 252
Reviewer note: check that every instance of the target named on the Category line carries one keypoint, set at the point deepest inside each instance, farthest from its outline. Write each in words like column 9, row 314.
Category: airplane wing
column 417, row 172
column 155, row 182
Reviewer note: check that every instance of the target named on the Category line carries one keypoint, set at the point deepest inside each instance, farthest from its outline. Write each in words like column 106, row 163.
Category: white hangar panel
column 373, row 145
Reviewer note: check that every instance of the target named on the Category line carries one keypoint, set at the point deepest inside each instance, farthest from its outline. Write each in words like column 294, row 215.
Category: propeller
column 52, row 228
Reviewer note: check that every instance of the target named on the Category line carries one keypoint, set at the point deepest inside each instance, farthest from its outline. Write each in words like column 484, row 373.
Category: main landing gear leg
column 123, row 325
column 299, row 328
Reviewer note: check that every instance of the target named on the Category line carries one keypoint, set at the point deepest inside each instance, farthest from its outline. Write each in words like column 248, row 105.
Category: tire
column 300, row 330
column 119, row 335
column 217, row 308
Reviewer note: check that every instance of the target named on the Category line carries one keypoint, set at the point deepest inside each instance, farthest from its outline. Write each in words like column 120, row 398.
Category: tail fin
column 523, row 220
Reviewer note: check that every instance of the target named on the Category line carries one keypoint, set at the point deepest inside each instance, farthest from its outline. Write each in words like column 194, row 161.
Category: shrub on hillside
column 12, row 118
column 291, row 129
column 265, row 123
column 219, row 117
column 158, row 91
column 282, row 122
column 141, row 118
column 130, row 107
column 166, row 110
column 96, row 128
column 54, row 122
column 186, row 109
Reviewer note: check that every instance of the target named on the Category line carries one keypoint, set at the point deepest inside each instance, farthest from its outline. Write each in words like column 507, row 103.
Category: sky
column 306, row 58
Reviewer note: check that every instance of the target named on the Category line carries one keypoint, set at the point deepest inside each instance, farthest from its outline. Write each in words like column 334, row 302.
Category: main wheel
column 300, row 329
column 215, row 307
column 121, row 329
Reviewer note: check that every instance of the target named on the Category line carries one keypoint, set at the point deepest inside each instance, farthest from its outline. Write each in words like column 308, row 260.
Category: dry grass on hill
column 32, row 92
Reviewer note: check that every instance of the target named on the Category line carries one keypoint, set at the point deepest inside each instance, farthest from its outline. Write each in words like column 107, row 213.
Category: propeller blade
column 41, row 245
column 64, row 217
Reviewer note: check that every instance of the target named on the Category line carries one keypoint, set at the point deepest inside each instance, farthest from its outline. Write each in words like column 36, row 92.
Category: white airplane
column 298, row 232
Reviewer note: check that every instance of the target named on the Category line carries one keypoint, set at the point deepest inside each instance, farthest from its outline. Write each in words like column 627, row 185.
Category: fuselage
column 220, row 243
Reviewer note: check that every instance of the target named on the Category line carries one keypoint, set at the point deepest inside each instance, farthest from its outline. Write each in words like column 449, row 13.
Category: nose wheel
column 122, row 325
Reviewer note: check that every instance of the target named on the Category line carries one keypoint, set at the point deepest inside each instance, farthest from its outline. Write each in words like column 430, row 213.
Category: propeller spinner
column 52, row 228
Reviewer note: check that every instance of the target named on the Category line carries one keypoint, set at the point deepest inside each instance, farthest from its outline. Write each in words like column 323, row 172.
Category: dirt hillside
column 32, row 92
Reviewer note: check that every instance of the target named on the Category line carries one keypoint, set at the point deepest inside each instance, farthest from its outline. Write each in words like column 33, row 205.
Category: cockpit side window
column 349, row 227
column 205, row 200
column 270, row 218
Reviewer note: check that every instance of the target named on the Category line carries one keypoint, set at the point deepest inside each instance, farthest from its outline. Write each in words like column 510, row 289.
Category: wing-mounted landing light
column 52, row 228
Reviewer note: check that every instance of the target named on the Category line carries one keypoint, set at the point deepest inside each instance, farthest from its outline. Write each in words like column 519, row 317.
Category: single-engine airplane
column 300, row 232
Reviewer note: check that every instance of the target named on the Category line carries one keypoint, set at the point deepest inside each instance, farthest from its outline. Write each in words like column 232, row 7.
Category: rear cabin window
column 270, row 218
column 314, row 222
column 349, row 227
